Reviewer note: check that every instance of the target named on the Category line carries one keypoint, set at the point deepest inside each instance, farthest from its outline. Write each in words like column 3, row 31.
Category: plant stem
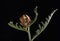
column 29, row 35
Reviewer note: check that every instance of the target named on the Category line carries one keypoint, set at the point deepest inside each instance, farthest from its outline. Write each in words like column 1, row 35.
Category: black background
column 11, row 9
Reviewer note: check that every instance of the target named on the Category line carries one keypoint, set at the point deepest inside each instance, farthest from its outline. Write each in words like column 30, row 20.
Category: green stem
column 29, row 35
column 36, row 13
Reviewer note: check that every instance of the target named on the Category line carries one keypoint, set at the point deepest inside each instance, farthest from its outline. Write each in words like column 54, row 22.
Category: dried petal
column 25, row 20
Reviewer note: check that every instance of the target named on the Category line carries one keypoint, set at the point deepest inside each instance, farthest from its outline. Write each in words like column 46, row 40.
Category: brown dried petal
column 25, row 20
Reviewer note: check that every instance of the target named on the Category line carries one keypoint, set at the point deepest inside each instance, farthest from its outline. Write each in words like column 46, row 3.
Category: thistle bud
column 25, row 20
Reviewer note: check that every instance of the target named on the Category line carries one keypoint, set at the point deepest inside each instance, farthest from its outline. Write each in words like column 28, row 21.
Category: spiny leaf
column 44, row 24
column 15, row 26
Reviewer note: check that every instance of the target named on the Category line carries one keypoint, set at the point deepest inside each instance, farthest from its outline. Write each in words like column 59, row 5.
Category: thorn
column 39, row 26
column 46, row 19
column 11, row 22
column 42, row 23
column 49, row 17
column 37, row 31
column 16, row 24
column 36, row 6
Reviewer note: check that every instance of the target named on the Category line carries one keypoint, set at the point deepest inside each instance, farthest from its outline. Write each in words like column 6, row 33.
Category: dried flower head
column 25, row 20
